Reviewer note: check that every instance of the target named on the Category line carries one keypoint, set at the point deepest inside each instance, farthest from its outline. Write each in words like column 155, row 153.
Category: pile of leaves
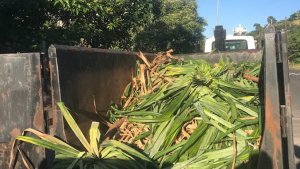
column 175, row 114
column 192, row 113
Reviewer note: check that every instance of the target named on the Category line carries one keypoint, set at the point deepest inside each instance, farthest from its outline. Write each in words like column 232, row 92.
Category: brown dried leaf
column 249, row 131
column 141, row 55
column 113, row 128
column 253, row 78
column 248, row 118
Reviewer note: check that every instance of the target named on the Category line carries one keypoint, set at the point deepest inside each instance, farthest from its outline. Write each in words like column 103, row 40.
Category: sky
column 244, row 12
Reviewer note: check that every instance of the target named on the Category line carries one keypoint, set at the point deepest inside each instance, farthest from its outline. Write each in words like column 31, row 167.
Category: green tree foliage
column 148, row 25
column 257, row 32
column 257, row 26
column 95, row 23
column 293, row 27
column 179, row 27
column 294, row 45
column 294, row 16
column 106, row 24
column 21, row 22
column 293, row 36
column 271, row 19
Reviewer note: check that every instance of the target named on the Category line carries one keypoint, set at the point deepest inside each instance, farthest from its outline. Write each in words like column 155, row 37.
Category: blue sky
column 244, row 12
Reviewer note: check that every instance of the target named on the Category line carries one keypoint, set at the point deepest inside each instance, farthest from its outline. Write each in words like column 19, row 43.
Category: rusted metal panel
column 80, row 74
column 271, row 146
column 21, row 104
column 4, row 154
column 236, row 56
column 289, row 147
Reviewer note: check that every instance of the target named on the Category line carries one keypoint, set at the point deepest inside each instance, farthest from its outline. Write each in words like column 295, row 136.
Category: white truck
column 237, row 41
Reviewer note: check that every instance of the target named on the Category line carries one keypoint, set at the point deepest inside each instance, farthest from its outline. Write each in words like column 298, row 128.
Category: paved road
column 295, row 97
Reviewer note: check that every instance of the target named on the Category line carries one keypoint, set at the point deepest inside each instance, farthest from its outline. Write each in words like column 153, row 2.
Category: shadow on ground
column 297, row 155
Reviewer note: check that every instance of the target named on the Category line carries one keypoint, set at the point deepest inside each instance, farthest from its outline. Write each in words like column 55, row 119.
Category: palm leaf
column 74, row 127
column 126, row 148
column 79, row 156
column 49, row 145
column 95, row 137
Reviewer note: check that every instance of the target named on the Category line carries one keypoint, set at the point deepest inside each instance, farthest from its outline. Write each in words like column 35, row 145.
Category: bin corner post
column 289, row 139
column 271, row 146
column 57, row 117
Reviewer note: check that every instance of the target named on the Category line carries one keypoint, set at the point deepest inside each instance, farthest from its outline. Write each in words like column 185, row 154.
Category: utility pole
column 217, row 13
column 285, row 21
column 271, row 21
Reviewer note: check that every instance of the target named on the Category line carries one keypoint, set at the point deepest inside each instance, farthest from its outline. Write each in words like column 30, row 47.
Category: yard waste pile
column 192, row 113
column 174, row 114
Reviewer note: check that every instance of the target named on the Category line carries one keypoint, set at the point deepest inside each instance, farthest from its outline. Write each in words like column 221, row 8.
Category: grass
column 294, row 66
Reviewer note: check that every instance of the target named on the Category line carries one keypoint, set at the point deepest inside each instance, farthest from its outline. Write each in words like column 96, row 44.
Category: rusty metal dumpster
column 81, row 76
